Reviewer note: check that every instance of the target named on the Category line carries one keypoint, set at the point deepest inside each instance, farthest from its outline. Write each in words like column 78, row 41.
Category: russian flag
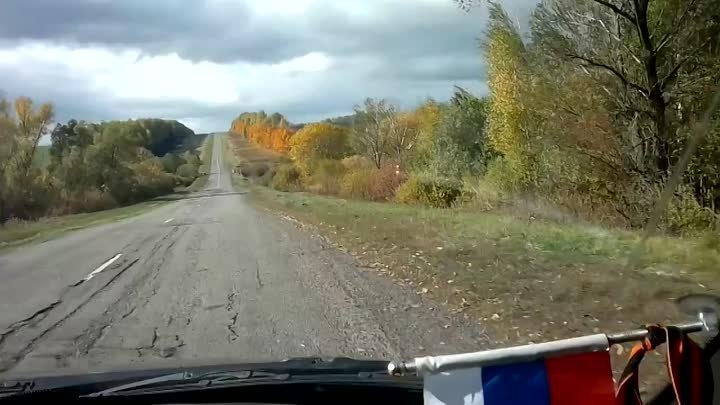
column 568, row 379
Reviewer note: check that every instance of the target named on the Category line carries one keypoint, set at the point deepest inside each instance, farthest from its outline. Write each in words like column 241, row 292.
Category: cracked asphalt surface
column 203, row 280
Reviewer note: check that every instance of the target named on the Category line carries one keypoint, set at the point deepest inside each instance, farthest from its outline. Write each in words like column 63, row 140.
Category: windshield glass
column 242, row 181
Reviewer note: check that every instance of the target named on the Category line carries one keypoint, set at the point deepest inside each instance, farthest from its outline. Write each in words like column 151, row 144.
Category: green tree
column 460, row 146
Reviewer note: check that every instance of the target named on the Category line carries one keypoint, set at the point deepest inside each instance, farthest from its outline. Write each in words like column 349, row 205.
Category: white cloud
column 127, row 76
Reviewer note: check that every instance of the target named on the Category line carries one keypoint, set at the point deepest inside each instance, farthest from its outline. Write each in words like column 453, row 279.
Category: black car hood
column 101, row 380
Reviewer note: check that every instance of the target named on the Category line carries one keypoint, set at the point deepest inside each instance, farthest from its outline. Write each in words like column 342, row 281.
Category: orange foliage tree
column 319, row 141
column 270, row 132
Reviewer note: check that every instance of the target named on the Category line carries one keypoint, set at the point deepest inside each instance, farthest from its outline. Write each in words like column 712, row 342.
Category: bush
column 287, row 178
column 149, row 187
column 501, row 175
column 357, row 162
column 383, row 183
column 171, row 162
column 266, row 179
column 254, row 169
column 356, row 184
column 437, row 193
column 89, row 201
column 326, row 177
column 479, row 194
column 685, row 216
column 187, row 170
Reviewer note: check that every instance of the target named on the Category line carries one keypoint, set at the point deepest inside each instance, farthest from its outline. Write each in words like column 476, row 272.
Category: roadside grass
column 15, row 233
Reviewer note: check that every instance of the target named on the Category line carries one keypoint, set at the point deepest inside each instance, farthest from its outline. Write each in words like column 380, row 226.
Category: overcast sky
column 205, row 61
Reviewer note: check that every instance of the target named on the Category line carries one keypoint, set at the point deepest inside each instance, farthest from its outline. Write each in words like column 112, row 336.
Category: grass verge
column 16, row 233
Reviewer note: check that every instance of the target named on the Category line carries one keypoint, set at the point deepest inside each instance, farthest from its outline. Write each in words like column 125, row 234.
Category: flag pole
column 422, row 365
column 640, row 334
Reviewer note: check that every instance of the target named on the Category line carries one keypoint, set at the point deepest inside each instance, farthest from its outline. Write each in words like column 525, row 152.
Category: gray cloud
column 196, row 30
column 404, row 50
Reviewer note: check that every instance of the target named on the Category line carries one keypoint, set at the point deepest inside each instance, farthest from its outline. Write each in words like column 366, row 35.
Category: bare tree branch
column 609, row 164
column 672, row 75
column 676, row 27
column 626, row 14
column 611, row 69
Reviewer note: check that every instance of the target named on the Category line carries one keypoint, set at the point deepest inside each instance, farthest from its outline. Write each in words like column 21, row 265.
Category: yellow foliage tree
column 504, row 51
column 426, row 118
column 318, row 141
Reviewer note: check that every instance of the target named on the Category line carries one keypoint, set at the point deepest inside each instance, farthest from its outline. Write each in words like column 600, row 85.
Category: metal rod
column 640, row 334
column 404, row 367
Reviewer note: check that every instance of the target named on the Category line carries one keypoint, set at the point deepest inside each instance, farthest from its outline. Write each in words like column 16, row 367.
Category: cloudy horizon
column 203, row 62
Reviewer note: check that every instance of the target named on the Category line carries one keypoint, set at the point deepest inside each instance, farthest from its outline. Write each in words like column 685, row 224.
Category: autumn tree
column 459, row 146
column 605, row 93
column 651, row 55
column 316, row 142
column 402, row 131
column 271, row 132
column 369, row 132
column 20, row 132
column 507, row 130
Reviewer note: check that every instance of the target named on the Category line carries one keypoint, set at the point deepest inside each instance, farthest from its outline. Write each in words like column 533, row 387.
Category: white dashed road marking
column 103, row 267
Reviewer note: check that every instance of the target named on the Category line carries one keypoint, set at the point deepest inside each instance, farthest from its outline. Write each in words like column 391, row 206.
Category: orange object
column 689, row 371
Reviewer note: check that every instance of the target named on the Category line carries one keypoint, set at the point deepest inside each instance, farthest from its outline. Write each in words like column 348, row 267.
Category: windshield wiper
column 188, row 379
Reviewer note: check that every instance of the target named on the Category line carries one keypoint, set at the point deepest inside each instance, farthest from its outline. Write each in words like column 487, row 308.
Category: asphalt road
column 206, row 279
